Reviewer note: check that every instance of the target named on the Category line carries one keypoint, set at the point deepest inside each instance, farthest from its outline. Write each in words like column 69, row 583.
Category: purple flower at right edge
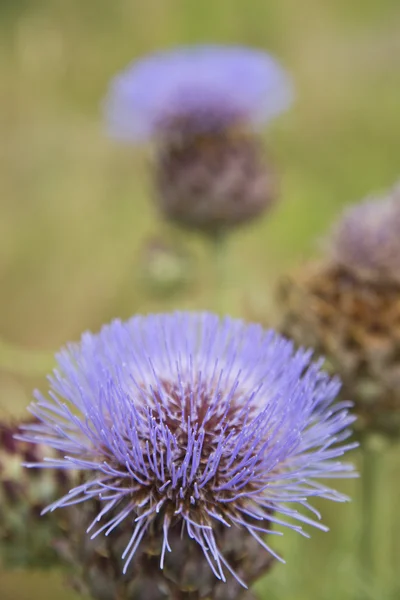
column 203, row 107
column 347, row 307
column 366, row 239
column 192, row 434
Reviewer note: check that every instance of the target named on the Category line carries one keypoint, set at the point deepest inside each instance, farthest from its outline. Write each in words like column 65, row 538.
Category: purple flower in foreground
column 213, row 87
column 193, row 422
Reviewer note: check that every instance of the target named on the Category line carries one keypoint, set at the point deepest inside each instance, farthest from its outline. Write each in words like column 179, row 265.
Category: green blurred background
column 75, row 210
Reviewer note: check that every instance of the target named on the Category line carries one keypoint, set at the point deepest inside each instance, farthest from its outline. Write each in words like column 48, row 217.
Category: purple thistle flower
column 213, row 87
column 366, row 240
column 202, row 106
column 193, row 421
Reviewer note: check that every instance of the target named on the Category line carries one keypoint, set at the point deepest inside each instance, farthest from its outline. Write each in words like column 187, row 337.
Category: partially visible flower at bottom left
column 26, row 540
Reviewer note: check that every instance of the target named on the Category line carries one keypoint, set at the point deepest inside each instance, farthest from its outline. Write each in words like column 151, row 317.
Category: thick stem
column 218, row 244
column 370, row 486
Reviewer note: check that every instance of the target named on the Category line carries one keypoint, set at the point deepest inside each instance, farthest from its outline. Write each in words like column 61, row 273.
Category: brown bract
column 355, row 324
column 213, row 181
column 186, row 575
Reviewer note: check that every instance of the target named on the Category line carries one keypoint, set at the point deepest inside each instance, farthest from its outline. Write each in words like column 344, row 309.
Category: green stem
column 218, row 244
column 370, row 486
column 29, row 363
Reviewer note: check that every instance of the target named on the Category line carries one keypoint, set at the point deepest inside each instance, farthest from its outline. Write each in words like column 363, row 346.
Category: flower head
column 366, row 240
column 208, row 87
column 347, row 307
column 201, row 105
column 186, row 422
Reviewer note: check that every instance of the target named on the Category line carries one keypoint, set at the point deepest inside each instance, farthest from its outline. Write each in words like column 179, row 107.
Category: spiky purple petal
column 217, row 85
column 187, row 417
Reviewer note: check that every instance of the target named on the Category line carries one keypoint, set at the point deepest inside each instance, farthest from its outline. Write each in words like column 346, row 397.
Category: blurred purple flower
column 213, row 87
column 192, row 421
column 366, row 239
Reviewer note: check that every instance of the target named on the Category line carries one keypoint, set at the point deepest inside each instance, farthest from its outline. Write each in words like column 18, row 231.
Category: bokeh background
column 75, row 212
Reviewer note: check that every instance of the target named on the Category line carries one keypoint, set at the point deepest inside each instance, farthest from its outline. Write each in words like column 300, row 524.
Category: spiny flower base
column 186, row 574
column 356, row 326
column 212, row 182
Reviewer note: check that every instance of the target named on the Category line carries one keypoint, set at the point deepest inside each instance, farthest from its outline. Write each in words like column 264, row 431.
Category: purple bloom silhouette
column 202, row 106
column 191, row 421
column 366, row 239
column 212, row 87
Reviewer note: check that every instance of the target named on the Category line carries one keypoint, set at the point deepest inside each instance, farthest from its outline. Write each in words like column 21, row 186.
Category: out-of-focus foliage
column 75, row 212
